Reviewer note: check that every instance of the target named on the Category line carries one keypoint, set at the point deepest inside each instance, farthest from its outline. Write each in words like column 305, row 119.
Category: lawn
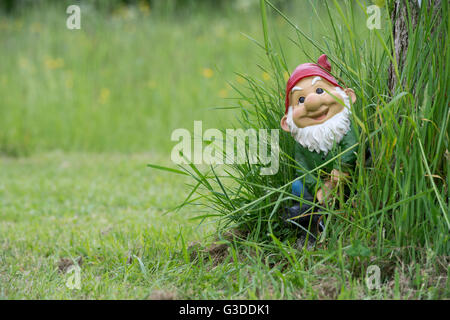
column 83, row 112
column 109, row 210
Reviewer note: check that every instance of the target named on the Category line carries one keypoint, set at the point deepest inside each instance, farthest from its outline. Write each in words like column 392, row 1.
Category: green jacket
column 309, row 160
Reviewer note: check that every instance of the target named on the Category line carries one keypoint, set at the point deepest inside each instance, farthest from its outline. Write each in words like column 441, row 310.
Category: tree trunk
column 400, row 18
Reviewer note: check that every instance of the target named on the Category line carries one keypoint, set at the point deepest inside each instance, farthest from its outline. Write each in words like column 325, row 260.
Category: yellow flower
column 223, row 93
column 151, row 84
column 69, row 83
column 144, row 7
column 36, row 27
column 280, row 21
column 123, row 12
column 68, row 79
column 54, row 63
column 104, row 95
column 24, row 63
column 208, row 73
column 266, row 76
column 379, row 3
column 240, row 80
column 286, row 76
column 18, row 25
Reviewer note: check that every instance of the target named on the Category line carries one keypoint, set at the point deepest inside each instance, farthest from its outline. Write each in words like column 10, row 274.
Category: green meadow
column 124, row 81
column 82, row 113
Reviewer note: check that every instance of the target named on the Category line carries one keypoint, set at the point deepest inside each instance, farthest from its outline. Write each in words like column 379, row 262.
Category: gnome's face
column 318, row 114
column 314, row 101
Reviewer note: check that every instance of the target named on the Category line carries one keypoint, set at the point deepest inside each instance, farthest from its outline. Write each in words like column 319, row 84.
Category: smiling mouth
column 321, row 116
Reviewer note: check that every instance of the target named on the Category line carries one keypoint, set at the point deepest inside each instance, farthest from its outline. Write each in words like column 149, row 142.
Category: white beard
column 323, row 136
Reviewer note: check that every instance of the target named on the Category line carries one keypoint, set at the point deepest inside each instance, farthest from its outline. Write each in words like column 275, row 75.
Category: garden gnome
column 318, row 116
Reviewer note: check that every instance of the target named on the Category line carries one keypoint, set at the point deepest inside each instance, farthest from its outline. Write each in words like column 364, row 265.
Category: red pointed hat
column 321, row 69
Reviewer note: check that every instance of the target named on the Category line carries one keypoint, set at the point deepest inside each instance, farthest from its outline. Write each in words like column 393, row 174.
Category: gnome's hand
column 338, row 176
column 324, row 192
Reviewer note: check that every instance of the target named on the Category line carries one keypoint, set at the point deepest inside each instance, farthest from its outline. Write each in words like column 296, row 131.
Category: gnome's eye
column 301, row 100
column 319, row 90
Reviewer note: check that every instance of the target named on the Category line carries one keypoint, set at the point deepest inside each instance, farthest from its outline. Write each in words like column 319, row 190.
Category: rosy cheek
column 299, row 112
column 330, row 97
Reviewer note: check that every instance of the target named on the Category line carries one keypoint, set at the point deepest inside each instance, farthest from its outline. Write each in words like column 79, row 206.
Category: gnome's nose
column 313, row 102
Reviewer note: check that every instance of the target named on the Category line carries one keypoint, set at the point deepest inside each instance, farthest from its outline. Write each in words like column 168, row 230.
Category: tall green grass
column 397, row 212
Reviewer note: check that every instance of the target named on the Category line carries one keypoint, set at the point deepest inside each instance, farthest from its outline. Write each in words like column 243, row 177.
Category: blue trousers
column 299, row 190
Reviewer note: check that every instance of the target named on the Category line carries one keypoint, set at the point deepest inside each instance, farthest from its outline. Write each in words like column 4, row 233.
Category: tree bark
column 400, row 18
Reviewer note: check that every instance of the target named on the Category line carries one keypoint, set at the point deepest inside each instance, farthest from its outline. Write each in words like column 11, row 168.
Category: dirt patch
column 105, row 231
column 327, row 289
column 410, row 285
column 300, row 243
column 235, row 234
column 162, row 295
column 194, row 249
column 216, row 251
column 65, row 263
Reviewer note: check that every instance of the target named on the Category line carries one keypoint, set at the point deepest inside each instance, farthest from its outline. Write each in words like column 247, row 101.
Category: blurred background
column 135, row 71
column 83, row 111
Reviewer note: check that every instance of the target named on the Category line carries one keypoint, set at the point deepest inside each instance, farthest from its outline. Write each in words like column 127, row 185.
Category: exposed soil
column 162, row 295
column 217, row 251
column 65, row 263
